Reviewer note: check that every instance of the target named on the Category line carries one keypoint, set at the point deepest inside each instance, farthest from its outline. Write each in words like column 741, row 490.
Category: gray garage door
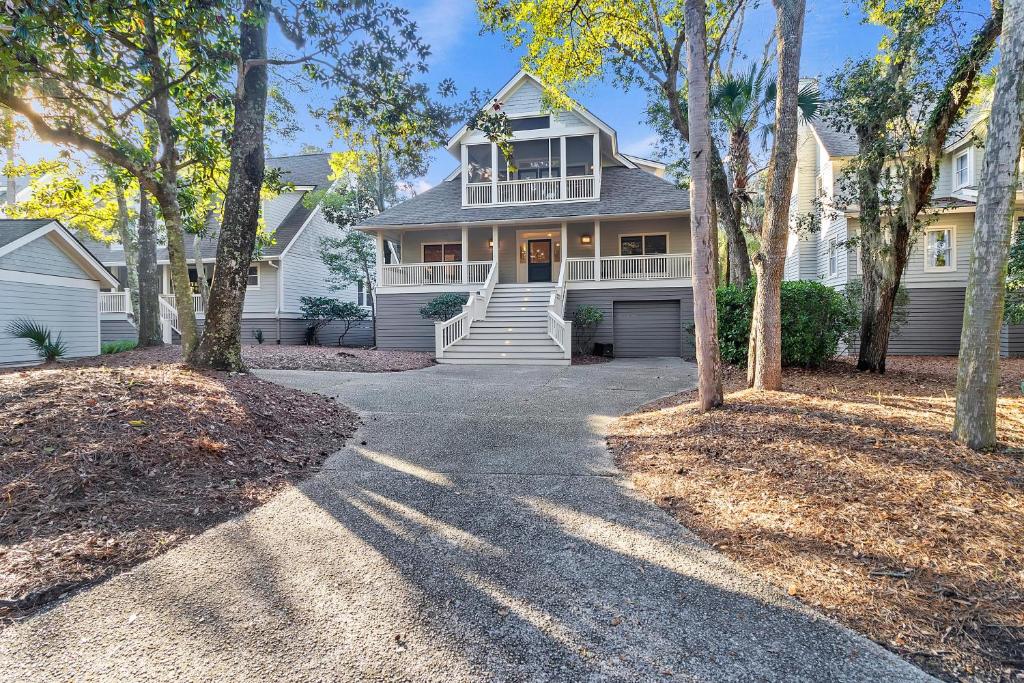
column 647, row 328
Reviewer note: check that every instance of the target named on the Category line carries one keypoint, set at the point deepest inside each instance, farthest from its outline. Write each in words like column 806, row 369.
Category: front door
column 539, row 269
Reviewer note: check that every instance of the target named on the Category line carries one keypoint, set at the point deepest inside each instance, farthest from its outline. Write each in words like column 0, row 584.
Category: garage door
column 647, row 328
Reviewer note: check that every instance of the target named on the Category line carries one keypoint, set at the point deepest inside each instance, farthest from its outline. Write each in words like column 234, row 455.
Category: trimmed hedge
column 815, row 318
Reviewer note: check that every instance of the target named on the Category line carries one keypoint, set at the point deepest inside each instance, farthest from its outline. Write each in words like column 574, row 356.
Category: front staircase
column 514, row 330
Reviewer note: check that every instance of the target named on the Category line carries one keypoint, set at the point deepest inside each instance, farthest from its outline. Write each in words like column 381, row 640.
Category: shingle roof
column 303, row 170
column 950, row 203
column 623, row 191
column 837, row 143
column 15, row 228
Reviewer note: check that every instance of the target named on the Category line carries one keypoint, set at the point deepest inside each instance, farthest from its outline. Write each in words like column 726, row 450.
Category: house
column 936, row 273
column 285, row 271
column 49, row 277
column 572, row 221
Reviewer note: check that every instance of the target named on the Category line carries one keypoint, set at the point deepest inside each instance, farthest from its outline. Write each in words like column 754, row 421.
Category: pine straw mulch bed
column 110, row 461
column 347, row 359
column 846, row 491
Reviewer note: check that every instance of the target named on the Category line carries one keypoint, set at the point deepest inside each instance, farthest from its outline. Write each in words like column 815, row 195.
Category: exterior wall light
column 585, row 239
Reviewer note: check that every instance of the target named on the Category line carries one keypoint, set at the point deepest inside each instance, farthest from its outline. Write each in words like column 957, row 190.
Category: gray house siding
column 43, row 257
column 399, row 324
column 605, row 299
column 70, row 311
column 293, row 331
column 304, row 271
column 117, row 329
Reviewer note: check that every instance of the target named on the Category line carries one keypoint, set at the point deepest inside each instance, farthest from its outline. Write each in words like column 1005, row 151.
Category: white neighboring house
column 287, row 270
column 573, row 222
column 936, row 274
column 49, row 277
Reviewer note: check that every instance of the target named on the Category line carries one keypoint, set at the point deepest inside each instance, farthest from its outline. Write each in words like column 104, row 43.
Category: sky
column 833, row 34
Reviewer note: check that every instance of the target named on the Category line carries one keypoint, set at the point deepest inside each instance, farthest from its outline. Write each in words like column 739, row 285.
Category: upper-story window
column 530, row 123
column 531, row 160
column 579, row 155
column 833, row 256
column 961, row 170
column 479, row 159
column 940, row 250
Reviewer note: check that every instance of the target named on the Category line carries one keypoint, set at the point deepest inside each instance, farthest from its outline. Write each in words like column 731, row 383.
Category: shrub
column 815, row 318
column 350, row 313
column 322, row 310
column 444, row 307
column 584, row 326
column 119, row 346
column 258, row 335
column 39, row 338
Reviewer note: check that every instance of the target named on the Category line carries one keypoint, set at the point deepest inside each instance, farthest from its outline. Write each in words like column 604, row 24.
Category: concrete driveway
column 476, row 529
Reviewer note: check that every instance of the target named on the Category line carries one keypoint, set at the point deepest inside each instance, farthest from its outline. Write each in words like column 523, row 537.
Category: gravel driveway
column 476, row 529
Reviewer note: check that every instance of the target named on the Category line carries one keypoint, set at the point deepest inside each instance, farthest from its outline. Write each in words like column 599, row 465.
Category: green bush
column 39, row 338
column 444, row 307
column 584, row 326
column 854, row 293
column 118, row 346
column 815, row 318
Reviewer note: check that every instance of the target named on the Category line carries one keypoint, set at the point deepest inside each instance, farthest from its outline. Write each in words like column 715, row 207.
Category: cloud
column 444, row 24
column 415, row 187
column 643, row 147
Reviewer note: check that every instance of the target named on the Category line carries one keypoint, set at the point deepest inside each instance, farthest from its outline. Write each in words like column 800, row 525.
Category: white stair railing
column 447, row 332
column 168, row 320
column 558, row 329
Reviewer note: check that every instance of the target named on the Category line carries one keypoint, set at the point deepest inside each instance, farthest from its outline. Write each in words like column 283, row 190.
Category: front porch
column 576, row 254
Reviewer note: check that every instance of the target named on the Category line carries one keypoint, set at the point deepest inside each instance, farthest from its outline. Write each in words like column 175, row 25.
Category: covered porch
column 580, row 254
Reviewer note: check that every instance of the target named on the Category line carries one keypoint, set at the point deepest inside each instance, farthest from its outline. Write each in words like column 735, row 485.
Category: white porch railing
column 168, row 319
column 558, row 329
column 413, row 274
column 650, row 267
column 531, row 190
column 447, row 332
column 197, row 301
column 116, row 302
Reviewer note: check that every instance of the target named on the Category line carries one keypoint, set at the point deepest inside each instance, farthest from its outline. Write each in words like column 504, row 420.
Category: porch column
column 380, row 258
column 564, row 181
column 563, row 253
column 494, row 172
column 465, row 253
column 465, row 175
column 494, row 249
column 597, row 250
column 597, row 165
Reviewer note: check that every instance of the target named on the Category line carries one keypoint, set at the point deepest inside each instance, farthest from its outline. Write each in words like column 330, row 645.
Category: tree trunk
column 170, row 209
column 129, row 242
column 977, row 381
column 221, row 347
column 765, row 363
column 149, row 276
column 730, row 220
column 705, row 316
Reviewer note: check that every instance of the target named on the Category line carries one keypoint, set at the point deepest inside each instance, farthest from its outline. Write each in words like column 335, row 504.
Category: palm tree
column 39, row 338
column 744, row 103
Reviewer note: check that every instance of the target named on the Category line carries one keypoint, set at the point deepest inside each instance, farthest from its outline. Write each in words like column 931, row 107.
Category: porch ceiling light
column 585, row 239
column 490, row 244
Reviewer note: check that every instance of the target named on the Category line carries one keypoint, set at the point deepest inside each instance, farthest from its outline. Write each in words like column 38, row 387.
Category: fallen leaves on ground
column 846, row 491
column 336, row 358
column 109, row 461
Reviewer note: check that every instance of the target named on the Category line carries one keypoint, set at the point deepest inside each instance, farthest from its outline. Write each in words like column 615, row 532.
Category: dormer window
column 530, row 123
column 961, row 170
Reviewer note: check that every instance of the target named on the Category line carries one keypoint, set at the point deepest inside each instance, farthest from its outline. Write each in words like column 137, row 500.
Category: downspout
column 280, row 288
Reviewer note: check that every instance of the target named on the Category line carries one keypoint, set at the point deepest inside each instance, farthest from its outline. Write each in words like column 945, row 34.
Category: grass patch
column 846, row 491
column 119, row 346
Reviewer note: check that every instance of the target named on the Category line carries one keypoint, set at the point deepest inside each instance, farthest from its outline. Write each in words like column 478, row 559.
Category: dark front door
column 539, row 269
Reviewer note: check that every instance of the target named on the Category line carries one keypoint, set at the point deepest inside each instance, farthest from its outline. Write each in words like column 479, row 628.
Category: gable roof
column 15, row 233
column 836, row 142
column 624, row 191
column 307, row 172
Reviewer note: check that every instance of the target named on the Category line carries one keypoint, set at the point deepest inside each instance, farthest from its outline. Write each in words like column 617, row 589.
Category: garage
column 647, row 328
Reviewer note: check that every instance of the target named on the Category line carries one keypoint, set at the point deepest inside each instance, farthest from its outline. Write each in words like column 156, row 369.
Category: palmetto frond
column 39, row 338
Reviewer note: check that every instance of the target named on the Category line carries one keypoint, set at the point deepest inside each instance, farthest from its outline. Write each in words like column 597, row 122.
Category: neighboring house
column 936, row 273
column 286, row 270
column 21, row 191
column 49, row 277
column 573, row 221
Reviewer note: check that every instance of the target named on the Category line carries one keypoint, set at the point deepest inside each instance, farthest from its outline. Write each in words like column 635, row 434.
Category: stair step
column 510, row 325
column 501, row 336
column 471, row 346
column 524, row 355
column 522, row 285
column 501, row 361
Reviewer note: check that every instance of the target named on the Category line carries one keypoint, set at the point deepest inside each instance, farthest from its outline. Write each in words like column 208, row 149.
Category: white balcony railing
column 115, row 302
column 650, row 267
column 413, row 274
column 528, row 191
column 197, row 302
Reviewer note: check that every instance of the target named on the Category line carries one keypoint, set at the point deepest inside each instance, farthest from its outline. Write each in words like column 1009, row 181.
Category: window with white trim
column 254, row 277
column 833, row 256
column 362, row 294
column 446, row 252
column 939, row 250
column 643, row 245
column 962, row 170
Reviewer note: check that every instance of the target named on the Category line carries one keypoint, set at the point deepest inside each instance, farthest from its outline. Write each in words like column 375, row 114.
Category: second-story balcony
column 526, row 191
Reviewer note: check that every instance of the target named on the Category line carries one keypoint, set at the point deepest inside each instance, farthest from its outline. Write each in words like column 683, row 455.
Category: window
column 479, row 159
column 962, row 170
column 530, row 123
column 940, row 250
column 362, row 294
column 640, row 245
column 579, row 155
column 833, row 256
column 254, row 277
column 438, row 253
column 532, row 160
column 819, row 187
